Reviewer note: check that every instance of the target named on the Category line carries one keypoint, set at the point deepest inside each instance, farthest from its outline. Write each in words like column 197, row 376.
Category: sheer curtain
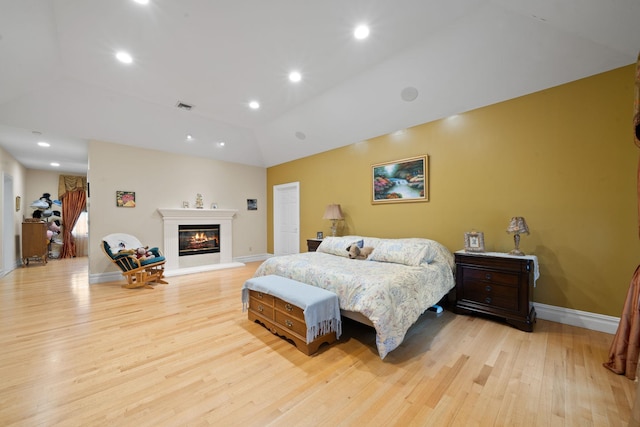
column 80, row 234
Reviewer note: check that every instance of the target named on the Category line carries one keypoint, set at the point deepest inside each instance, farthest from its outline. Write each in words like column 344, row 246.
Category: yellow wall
column 563, row 158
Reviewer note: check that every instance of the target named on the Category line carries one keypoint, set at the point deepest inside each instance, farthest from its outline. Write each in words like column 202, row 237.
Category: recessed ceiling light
column 44, row 144
column 295, row 76
column 189, row 137
column 54, row 164
column 254, row 105
column 361, row 32
column 409, row 94
column 124, row 57
column 220, row 144
column 141, row 1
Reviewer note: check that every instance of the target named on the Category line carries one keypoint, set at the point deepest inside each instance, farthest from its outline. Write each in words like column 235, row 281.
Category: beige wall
column 164, row 180
column 563, row 158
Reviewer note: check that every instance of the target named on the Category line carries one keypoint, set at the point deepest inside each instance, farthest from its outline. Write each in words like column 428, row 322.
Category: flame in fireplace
column 200, row 240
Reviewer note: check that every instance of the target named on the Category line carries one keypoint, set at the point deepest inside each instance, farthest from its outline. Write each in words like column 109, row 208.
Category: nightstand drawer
column 312, row 244
column 491, row 294
column 498, row 277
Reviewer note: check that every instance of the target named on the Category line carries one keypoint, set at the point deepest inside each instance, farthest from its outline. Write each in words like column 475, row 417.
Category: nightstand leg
column 526, row 324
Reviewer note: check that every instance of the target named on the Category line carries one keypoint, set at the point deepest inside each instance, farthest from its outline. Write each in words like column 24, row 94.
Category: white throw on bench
column 321, row 307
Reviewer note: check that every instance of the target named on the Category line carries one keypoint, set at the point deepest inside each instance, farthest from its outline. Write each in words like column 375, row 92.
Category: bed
column 399, row 281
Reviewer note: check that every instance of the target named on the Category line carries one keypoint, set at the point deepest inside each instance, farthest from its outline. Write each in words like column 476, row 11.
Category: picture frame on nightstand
column 474, row 241
column 319, row 235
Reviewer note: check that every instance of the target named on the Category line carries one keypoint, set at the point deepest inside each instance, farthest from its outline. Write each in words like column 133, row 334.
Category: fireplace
column 198, row 239
column 222, row 258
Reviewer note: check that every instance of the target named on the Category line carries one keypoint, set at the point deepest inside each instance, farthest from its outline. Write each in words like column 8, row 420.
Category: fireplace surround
column 173, row 218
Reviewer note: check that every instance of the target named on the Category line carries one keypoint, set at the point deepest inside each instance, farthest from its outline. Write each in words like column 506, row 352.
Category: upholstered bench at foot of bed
column 306, row 315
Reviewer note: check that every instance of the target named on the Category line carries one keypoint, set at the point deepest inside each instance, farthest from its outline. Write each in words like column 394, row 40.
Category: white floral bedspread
column 392, row 296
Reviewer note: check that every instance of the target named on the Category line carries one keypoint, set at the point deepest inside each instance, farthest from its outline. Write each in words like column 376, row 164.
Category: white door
column 286, row 219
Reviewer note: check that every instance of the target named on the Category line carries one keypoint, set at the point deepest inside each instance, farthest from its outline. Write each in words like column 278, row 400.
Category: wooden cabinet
column 312, row 244
column 285, row 320
column 499, row 286
column 34, row 242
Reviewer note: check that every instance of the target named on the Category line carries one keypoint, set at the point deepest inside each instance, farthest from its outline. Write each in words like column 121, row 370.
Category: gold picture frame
column 405, row 180
column 474, row 241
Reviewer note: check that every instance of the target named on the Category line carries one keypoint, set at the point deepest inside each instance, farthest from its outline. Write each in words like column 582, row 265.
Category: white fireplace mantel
column 172, row 218
column 169, row 213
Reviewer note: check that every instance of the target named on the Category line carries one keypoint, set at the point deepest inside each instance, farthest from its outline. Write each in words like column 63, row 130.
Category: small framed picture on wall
column 126, row 199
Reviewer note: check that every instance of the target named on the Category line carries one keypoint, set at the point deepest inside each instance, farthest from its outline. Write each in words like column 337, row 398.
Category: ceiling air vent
column 183, row 106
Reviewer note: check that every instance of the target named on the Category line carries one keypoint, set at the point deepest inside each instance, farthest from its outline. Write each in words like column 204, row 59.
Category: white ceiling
column 58, row 75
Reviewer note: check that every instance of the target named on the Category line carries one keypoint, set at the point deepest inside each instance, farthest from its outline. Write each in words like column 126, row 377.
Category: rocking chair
column 139, row 272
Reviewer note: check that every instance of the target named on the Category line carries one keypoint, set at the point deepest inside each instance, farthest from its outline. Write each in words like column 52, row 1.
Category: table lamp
column 517, row 226
column 334, row 213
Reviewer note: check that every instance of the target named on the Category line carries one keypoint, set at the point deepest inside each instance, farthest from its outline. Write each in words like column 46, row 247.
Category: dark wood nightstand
column 312, row 244
column 497, row 285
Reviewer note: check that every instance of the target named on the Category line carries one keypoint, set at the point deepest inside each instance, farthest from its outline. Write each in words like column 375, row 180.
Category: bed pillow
column 398, row 252
column 338, row 245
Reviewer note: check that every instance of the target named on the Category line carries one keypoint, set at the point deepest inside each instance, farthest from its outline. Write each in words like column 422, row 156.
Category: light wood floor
column 184, row 354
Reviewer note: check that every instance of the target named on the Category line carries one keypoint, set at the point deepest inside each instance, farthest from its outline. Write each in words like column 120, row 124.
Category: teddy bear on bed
column 358, row 252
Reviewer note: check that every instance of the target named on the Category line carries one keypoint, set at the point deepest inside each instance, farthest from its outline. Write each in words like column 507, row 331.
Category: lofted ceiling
column 60, row 82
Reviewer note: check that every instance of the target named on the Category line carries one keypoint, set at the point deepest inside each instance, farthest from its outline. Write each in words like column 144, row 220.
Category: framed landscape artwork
column 405, row 180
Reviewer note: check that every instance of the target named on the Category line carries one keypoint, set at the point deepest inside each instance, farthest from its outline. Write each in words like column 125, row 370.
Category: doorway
column 8, row 226
column 286, row 219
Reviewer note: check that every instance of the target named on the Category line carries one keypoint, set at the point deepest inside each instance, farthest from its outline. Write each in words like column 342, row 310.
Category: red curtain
column 73, row 203
column 625, row 348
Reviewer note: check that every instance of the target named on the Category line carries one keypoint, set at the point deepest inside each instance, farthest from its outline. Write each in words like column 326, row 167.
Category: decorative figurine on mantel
column 199, row 204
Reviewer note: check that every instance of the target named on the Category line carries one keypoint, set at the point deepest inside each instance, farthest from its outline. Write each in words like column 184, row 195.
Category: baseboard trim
column 582, row 319
column 252, row 258
column 201, row 269
column 105, row 277
column 115, row 276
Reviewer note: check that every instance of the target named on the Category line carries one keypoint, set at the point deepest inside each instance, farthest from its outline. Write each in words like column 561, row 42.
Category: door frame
column 278, row 240
column 8, row 226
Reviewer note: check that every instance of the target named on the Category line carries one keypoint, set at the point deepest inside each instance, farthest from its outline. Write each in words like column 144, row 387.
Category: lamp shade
column 518, row 225
column 333, row 212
